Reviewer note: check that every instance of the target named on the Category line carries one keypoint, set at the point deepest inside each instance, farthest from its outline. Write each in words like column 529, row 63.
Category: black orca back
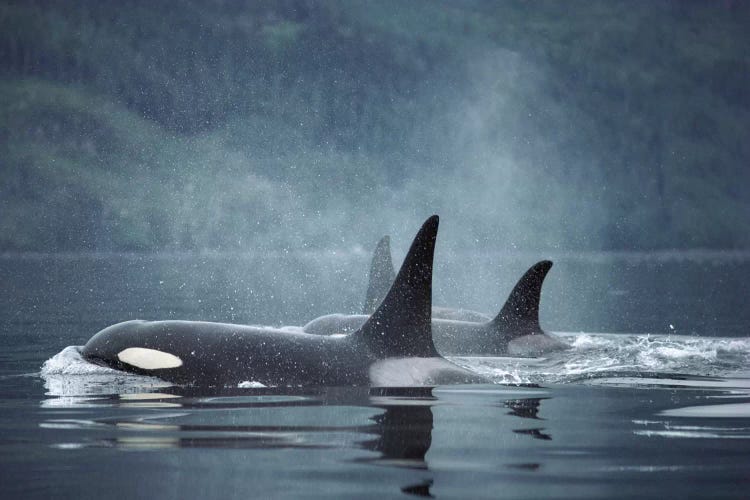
column 520, row 314
column 401, row 325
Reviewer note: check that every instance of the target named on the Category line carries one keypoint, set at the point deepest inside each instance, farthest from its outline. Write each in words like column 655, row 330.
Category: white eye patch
column 148, row 359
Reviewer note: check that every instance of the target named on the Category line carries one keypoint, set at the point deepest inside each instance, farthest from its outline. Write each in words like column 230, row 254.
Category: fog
column 298, row 126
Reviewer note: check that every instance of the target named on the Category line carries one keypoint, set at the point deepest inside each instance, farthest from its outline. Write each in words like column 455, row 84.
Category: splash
column 75, row 381
column 597, row 356
column 70, row 362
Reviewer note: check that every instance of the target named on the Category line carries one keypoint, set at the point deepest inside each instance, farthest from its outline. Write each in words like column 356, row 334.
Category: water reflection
column 528, row 408
column 535, row 433
column 404, row 429
column 524, row 408
column 404, row 432
column 393, row 426
column 420, row 490
column 404, row 436
column 227, row 413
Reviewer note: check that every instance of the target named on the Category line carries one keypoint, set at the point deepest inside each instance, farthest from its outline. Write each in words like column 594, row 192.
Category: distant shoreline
column 568, row 255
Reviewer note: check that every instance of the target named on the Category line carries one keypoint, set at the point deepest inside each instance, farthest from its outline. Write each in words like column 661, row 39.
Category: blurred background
column 234, row 126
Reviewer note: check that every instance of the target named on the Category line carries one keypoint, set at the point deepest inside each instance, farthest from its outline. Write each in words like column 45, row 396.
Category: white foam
column 499, row 370
column 595, row 356
column 76, row 382
column 70, row 362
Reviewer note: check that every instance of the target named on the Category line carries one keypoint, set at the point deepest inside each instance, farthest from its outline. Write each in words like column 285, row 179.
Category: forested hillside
column 192, row 125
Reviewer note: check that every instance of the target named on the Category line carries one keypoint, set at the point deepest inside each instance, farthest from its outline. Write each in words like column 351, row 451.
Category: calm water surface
column 660, row 409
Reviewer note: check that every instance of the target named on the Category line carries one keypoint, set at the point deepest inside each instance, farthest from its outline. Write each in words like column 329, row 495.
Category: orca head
column 124, row 347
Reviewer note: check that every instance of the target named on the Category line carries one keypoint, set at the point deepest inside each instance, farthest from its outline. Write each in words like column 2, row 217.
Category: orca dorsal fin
column 401, row 325
column 381, row 275
column 520, row 314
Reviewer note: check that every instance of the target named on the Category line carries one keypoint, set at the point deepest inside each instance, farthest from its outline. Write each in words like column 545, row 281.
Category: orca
column 514, row 331
column 393, row 347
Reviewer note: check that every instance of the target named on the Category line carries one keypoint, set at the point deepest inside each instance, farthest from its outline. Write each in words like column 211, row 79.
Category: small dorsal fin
column 401, row 325
column 381, row 275
column 520, row 314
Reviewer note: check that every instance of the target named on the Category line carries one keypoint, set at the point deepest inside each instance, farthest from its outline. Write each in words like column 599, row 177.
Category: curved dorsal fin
column 401, row 325
column 381, row 275
column 520, row 314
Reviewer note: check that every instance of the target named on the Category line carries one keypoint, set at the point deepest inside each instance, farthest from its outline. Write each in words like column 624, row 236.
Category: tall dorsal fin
column 401, row 325
column 520, row 314
column 381, row 275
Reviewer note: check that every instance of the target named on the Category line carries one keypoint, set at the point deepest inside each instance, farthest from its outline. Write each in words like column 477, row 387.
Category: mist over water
column 703, row 294
column 325, row 125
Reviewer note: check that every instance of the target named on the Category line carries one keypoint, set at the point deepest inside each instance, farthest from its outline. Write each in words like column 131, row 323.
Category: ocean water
column 657, row 406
